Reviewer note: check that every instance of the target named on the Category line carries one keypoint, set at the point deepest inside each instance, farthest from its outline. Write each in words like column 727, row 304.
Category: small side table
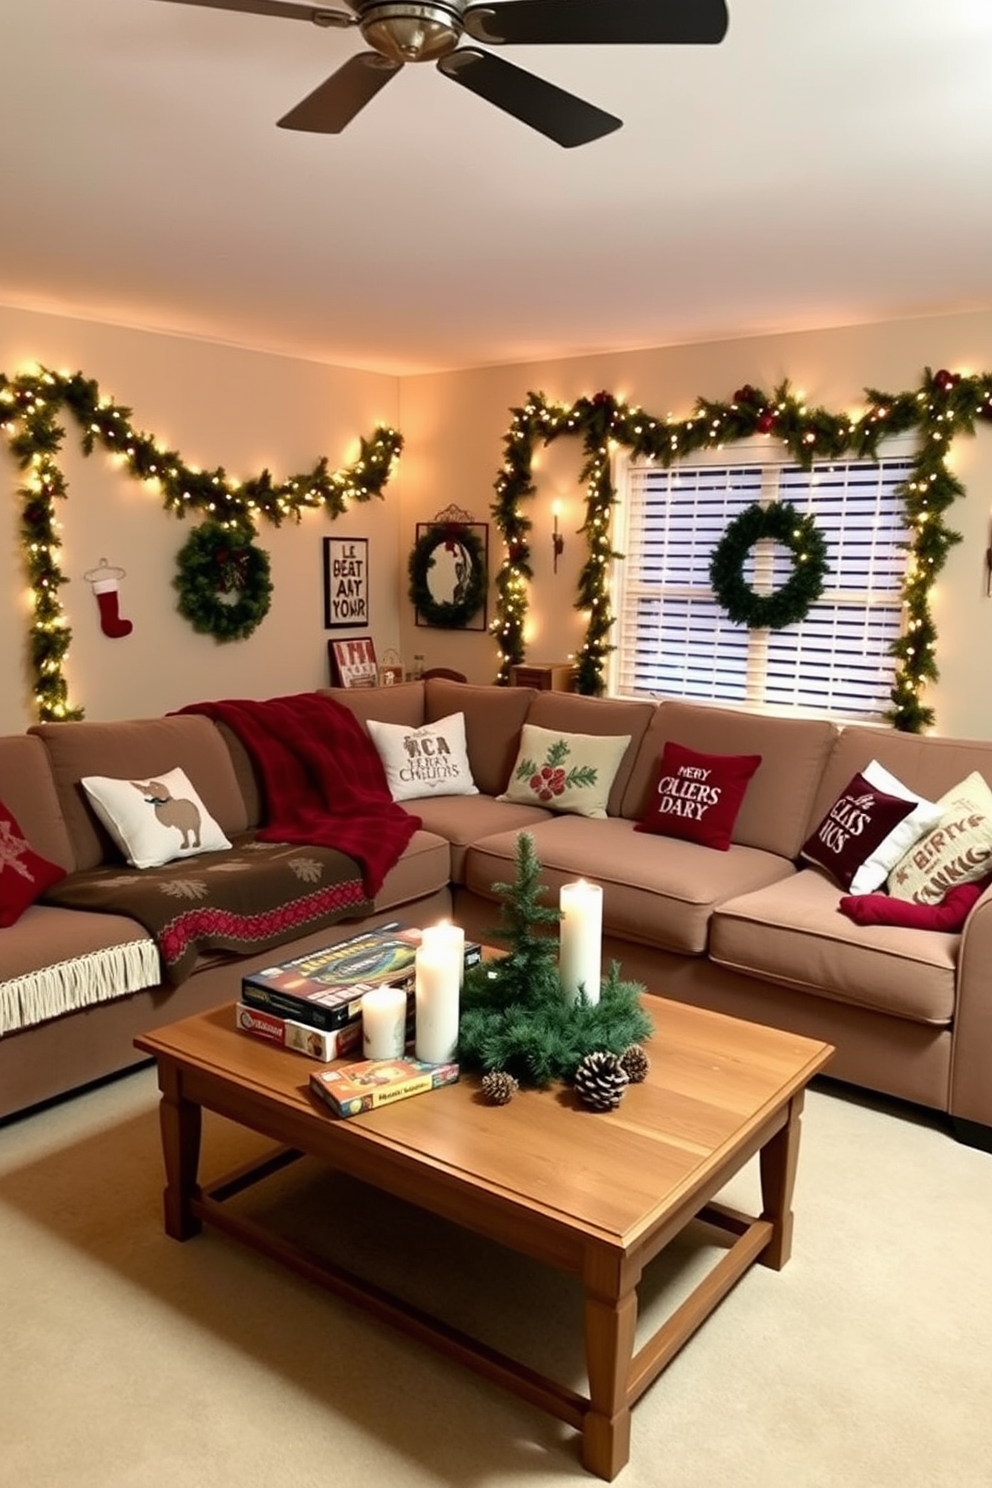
column 552, row 676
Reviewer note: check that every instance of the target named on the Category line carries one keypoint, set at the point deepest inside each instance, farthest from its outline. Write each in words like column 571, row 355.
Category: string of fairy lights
column 944, row 406
column 31, row 405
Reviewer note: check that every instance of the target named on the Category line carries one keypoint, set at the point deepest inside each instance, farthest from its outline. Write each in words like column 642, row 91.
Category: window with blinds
column 673, row 638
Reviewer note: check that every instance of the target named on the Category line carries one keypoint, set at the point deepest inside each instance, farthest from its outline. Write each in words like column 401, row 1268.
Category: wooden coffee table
column 594, row 1194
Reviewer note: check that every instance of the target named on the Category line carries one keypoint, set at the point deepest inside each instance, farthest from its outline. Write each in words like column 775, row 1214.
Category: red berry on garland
column 744, row 394
column 766, row 422
column 946, row 380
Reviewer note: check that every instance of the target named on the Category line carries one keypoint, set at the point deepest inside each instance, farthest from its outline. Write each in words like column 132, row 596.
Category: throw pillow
column 154, row 821
column 868, row 828
column 957, row 851
column 24, row 874
column 883, row 909
column 565, row 772
column 698, row 796
column 428, row 761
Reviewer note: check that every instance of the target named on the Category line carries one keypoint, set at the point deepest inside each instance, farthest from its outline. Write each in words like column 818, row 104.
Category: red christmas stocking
column 108, row 598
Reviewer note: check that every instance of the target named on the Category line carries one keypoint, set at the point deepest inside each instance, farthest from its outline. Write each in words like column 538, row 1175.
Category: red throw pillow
column 24, row 874
column 861, row 817
column 697, row 796
column 882, row 909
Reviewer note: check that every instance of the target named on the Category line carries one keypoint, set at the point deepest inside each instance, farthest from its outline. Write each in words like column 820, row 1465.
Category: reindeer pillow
column 154, row 821
column 427, row 761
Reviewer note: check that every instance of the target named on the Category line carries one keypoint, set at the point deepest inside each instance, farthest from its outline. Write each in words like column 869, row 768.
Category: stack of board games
column 322, row 991
column 352, row 1088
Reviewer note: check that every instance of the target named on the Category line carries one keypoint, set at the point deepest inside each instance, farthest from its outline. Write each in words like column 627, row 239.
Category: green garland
column 944, row 406
column 780, row 522
column 30, row 406
column 447, row 614
column 224, row 582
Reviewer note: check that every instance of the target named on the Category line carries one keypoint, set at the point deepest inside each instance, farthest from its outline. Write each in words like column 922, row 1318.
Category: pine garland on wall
column 30, row 406
column 945, row 405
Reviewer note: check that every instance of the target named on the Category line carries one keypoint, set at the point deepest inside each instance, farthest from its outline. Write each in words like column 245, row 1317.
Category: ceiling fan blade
column 550, row 110
column 636, row 22
column 344, row 94
column 316, row 13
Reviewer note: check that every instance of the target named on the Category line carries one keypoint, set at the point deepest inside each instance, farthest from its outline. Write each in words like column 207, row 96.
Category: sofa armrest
column 970, row 1095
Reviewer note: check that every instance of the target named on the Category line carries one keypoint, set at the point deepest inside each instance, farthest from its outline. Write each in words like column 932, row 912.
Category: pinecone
column 600, row 1080
column 498, row 1087
column 635, row 1063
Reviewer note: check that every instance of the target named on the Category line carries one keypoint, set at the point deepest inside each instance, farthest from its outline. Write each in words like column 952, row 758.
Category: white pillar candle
column 581, row 951
column 437, row 984
column 444, row 933
column 384, row 1023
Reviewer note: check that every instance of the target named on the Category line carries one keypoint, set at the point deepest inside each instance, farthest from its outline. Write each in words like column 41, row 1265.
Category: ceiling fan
column 400, row 31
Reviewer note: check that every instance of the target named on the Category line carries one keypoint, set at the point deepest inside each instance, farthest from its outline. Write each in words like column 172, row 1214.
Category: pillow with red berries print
column 565, row 772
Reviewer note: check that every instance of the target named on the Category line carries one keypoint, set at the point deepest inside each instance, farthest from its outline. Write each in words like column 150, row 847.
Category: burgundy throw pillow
column 861, row 817
column 24, row 874
column 883, row 909
column 697, row 796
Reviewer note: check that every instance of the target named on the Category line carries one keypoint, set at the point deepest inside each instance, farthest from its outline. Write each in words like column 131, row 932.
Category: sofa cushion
column 698, row 796
column 958, row 850
column 565, row 772
column 775, row 812
column 154, row 821
column 422, row 868
column 138, row 749
column 24, row 874
column 431, row 760
column 28, row 789
column 795, row 934
column 570, row 712
column 851, row 840
column 494, row 717
column 658, row 892
column 462, row 820
column 403, row 702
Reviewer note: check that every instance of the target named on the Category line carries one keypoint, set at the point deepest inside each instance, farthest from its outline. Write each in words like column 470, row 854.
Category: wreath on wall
column 471, row 589
column 224, row 583
column 781, row 523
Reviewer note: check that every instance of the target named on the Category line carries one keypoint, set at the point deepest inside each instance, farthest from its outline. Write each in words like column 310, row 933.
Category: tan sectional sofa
column 751, row 931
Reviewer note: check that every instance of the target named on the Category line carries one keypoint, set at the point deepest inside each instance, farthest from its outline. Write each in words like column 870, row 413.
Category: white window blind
column 672, row 636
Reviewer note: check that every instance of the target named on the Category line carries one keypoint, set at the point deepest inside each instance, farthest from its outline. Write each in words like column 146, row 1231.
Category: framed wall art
column 353, row 662
column 346, row 583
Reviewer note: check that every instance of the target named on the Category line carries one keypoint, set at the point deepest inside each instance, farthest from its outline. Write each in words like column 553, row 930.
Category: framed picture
column 346, row 582
column 353, row 662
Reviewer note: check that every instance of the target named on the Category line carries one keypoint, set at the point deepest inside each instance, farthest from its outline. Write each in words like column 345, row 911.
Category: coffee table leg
column 610, row 1321
column 181, row 1123
column 778, row 1162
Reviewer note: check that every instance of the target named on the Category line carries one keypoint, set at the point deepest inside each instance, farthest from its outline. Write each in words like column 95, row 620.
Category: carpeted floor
column 130, row 1361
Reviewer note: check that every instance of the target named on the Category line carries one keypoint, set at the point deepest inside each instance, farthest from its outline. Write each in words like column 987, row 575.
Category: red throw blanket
column 321, row 778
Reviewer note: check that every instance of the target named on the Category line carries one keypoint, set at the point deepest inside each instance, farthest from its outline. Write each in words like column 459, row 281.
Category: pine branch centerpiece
column 515, row 1014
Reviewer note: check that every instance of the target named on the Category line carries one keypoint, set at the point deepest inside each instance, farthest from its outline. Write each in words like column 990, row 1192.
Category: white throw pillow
column 957, row 850
column 565, row 772
column 154, row 820
column 926, row 814
column 428, row 761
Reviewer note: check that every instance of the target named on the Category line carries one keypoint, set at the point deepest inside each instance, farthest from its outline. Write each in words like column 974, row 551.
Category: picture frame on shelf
column 390, row 669
column 353, row 662
column 346, row 582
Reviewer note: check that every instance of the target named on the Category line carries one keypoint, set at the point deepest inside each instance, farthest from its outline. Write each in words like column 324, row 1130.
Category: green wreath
column 223, row 582
column 783, row 524
column 448, row 614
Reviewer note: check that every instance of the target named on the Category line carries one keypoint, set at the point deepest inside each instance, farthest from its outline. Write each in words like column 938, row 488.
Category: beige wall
column 454, row 425
column 217, row 406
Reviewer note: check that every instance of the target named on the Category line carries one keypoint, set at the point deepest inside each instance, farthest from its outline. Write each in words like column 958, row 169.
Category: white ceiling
column 826, row 164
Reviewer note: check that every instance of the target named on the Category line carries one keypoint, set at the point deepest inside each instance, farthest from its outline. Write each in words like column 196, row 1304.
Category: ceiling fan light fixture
column 410, row 32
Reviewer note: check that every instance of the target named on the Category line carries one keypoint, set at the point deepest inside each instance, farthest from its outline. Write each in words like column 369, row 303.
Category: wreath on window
column 223, row 582
column 780, row 522
column 471, row 583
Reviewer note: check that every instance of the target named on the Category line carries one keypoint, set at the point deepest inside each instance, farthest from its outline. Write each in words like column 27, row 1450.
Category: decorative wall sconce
column 557, row 541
